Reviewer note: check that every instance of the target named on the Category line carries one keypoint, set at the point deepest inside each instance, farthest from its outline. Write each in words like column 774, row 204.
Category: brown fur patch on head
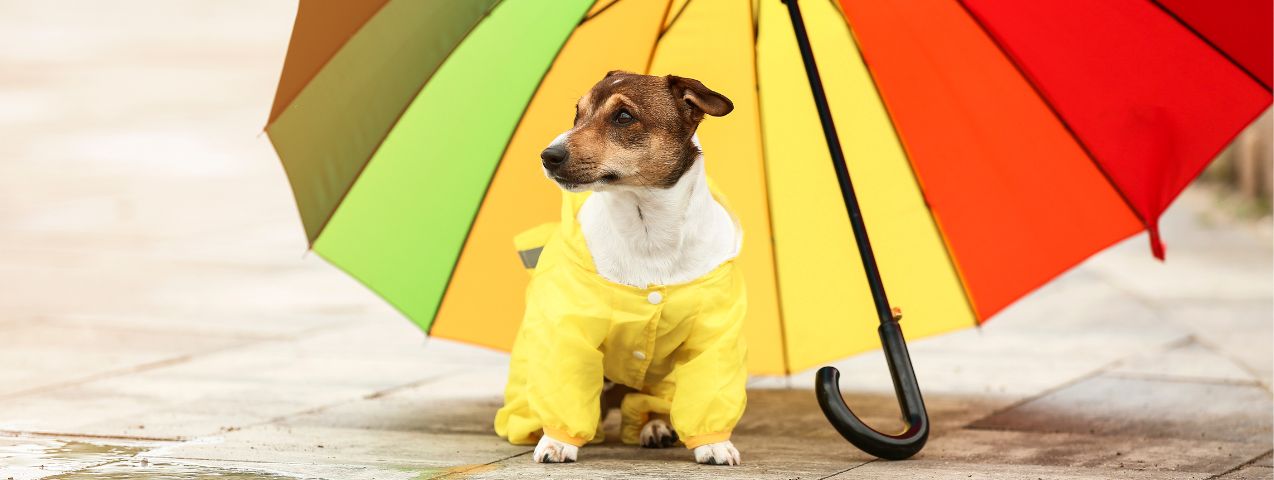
column 636, row 130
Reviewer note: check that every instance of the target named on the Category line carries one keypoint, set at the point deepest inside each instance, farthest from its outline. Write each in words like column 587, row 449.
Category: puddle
column 25, row 458
column 22, row 458
column 162, row 470
column 35, row 457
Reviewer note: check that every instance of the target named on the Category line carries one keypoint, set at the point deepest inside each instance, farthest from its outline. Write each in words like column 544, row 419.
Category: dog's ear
column 699, row 97
column 616, row 72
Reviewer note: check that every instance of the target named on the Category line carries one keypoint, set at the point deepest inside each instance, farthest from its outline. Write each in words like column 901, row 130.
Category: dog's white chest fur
column 641, row 236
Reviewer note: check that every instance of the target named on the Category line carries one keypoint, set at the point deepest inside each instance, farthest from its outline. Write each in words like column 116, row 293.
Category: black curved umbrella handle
column 899, row 446
column 910, row 441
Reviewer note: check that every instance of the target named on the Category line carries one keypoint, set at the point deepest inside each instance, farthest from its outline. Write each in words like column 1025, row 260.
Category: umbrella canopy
column 993, row 143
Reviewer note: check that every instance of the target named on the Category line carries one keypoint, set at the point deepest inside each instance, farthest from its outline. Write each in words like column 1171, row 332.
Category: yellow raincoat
column 680, row 346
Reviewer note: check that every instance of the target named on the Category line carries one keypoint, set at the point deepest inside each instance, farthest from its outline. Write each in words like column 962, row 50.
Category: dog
column 635, row 295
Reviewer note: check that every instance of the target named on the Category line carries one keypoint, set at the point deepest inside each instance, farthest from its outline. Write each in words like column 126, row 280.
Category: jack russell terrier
column 635, row 301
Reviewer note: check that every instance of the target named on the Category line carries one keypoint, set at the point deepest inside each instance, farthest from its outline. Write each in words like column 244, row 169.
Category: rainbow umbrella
column 993, row 145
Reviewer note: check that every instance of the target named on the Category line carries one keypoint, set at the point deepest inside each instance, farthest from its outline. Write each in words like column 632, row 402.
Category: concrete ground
column 159, row 318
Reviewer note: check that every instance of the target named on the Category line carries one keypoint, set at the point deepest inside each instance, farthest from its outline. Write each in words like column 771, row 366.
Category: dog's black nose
column 554, row 156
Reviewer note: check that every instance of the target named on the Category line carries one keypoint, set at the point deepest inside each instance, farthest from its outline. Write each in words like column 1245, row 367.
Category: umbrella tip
column 1156, row 243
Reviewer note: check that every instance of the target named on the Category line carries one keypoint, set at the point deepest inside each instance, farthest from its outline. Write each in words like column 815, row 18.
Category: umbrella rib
column 599, row 12
column 371, row 155
column 654, row 46
column 1058, row 115
column 769, row 207
column 676, row 17
column 756, row 26
column 1209, row 43
column 915, row 176
column 451, row 275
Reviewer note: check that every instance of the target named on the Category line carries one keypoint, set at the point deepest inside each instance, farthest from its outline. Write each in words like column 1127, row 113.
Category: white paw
column 553, row 451
column 720, row 453
column 657, row 434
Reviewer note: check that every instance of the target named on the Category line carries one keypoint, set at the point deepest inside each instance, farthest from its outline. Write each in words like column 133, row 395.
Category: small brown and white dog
column 651, row 218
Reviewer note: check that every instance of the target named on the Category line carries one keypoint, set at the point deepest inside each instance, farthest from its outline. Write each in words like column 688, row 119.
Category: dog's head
column 632, row 130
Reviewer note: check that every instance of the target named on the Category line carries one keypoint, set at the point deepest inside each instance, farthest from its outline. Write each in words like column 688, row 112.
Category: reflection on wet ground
column 34, row 457
column 162, row 470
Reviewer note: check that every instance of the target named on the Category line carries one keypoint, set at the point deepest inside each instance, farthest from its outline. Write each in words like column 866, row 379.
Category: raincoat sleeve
column 565, row 385
column 712, row 376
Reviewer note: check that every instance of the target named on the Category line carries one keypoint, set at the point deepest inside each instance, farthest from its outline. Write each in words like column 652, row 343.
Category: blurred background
column 155, row 288
column 1243, row 175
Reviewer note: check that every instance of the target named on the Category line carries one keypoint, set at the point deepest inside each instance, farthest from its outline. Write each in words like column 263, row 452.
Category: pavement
column 159, row 317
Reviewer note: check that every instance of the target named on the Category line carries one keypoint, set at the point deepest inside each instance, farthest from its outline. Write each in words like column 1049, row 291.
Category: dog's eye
column 622, row 117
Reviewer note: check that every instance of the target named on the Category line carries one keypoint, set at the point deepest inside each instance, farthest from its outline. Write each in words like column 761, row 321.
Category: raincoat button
column 655, row 298
column 640, row 355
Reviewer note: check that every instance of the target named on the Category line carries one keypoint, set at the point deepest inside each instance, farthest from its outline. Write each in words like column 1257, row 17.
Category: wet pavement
column 160, row 318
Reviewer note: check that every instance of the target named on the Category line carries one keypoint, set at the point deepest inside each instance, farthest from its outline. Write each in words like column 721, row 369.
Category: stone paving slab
column 1264, row 461
column 1112, row 405
column 388, row 450
column 778, row 460
column 937, row 470
column 1190, row 360
column 41, row 354
column 226, row 390
column 1249, row 473
column 216, row 324
column 456, row 403
column 1080, row 450
column 109, row 286
column 1238, row 330
column 795, row 413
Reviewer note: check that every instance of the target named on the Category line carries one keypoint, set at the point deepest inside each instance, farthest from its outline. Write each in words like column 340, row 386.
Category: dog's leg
column 720, row 453
column 657, row 432
column 553, row 451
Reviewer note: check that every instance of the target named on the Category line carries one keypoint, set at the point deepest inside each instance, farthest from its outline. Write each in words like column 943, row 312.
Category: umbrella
column 993, row 144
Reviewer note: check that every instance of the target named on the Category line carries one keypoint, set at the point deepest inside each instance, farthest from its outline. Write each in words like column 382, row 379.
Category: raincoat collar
column 576, row 247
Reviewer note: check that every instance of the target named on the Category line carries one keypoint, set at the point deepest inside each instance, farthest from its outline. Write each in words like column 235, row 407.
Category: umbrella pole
column 912, row 439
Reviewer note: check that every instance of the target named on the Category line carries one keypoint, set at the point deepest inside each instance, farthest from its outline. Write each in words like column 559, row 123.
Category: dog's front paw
column 553, row 451
column 657, row 434
column 720, row 453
